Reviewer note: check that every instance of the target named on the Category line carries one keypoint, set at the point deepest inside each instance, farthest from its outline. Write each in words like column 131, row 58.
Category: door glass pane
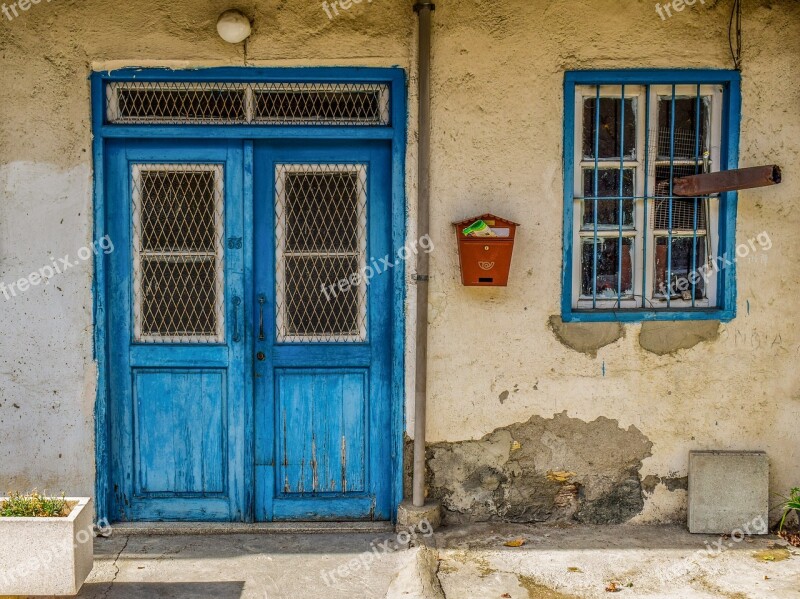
column 312, row 281
column 321, row 240
column 179, row 297
column 322, row 212
column 178, row 253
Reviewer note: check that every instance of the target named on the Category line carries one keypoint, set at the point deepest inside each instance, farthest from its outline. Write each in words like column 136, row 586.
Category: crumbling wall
column 542, row 470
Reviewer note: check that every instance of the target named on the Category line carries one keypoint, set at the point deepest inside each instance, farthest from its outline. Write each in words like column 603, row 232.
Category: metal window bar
column 693, row 279
column 225, row 103
column 621, row 193
column 646, row 184
column 596, row 180
column 668, row 279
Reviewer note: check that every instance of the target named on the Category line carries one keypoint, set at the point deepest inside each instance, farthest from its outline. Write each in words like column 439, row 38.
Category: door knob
column 261, row 357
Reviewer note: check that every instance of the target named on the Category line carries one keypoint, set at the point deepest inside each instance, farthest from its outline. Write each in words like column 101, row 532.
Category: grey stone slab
column 728, row 492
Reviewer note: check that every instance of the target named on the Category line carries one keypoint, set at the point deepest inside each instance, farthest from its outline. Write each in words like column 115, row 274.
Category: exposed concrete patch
column 542, row 470
column 651, row 481
column 586, row 337
column 668, row 337
column 408, row 465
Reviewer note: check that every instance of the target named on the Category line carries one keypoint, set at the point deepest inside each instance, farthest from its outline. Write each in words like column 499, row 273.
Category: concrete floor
column 582, row 561
column 234, row 566
column 463, row 563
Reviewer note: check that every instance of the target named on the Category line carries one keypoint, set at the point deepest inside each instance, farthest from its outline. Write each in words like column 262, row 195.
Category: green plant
column 791, row 504
column 33, row 505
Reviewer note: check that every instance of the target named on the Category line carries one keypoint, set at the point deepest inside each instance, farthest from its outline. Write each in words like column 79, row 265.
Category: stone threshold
column 229, row 528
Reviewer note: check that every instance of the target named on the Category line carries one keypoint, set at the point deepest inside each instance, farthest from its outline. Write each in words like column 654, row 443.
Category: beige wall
column 497, row 117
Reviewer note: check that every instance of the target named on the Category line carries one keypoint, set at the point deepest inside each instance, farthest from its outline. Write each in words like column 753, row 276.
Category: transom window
column 635, row 245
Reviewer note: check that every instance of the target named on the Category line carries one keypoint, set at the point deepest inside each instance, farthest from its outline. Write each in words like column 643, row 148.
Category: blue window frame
column 633, row 250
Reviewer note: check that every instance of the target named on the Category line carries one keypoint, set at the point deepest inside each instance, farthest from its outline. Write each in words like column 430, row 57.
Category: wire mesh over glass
column 219, row 103
column 178, row 253
column 321, row 241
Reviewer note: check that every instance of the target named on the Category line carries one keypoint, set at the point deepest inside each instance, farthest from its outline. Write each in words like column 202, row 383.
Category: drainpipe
column 424, row 10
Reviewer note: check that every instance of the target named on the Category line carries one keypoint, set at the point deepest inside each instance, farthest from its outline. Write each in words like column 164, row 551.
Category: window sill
column 633, row 315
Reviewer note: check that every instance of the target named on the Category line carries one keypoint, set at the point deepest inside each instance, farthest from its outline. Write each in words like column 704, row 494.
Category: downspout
column 424, row 11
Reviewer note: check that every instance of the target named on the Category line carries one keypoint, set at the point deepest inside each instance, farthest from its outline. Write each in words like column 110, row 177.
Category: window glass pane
column 685, row 126
column 331, row 104
column 151, row 104
column 179, row 297
column 607, row 267
column 177, row 253
column 608, row 186
column 178, row 210
column 323, row 210
column 681, row 276
column 610, row 127
column 315, row 305
column 683, row 214
column 320, row 240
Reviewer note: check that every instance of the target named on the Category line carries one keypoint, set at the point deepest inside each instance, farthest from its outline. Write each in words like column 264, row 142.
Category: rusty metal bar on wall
column 733, row 180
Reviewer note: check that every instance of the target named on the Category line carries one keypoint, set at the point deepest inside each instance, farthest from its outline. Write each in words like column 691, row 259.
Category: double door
column 250, row 332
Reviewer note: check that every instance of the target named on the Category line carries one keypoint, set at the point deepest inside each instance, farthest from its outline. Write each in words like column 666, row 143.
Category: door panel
column 177, row 452
column 176, row 351
column 322, row 392
column 321, row 438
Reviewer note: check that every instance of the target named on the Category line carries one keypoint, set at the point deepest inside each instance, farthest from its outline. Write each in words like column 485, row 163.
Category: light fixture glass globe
column 233, row 26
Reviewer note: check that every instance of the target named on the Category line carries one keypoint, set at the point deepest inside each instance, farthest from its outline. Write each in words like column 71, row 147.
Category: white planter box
column 47, row 556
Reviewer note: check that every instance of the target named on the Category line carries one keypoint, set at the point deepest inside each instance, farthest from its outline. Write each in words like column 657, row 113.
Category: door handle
column 261, row 301
column 237, row 301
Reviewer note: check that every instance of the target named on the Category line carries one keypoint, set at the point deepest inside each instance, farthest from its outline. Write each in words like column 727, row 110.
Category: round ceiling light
column 233, row 26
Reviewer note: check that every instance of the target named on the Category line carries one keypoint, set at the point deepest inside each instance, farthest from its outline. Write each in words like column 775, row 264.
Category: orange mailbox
column 485, row 261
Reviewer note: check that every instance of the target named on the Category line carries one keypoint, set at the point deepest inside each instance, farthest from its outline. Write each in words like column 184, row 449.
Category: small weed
column 791, row 504
column 33, row 505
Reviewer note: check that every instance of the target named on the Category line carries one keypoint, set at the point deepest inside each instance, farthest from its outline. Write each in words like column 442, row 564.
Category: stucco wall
column 497, row 117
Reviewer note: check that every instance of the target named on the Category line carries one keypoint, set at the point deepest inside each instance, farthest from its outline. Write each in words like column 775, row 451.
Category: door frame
column 395, row 132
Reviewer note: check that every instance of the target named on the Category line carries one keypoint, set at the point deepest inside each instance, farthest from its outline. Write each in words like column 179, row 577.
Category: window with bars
column 178, row 253
column 635, row 245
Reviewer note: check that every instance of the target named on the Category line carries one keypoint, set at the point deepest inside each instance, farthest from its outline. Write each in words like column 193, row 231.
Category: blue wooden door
column 322, row 323
column 176, row 353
